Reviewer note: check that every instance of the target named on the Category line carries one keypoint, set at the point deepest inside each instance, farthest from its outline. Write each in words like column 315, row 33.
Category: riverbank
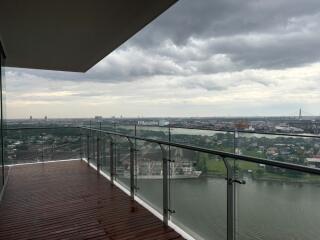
column 269, row 177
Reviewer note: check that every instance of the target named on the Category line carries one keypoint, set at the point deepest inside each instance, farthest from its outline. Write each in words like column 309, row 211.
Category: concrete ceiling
column 70, row 35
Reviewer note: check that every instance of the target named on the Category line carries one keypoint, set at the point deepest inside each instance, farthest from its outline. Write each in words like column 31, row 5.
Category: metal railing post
column 236, row 142
column 135, row 158
column 230, row 210
column 165, row 191
column 98, row 154
column 93, row 152
column 230, row 201
column 42, row 150
column 234, row 196
column 132, row 185
column 88, row 148
column 52, row 151
column 91, row 137
column 111, row 162
column 81, row 146
column 169, row 159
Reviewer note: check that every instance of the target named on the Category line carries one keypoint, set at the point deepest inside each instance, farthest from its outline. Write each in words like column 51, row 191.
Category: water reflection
column 265, row 210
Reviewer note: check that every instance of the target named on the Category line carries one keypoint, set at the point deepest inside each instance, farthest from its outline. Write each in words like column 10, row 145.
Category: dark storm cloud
column 212, row 36
column 202, row 84
column 216, row 18
column 254, row 34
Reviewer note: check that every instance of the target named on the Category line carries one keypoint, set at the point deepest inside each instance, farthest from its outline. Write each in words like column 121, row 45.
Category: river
column 265, row 210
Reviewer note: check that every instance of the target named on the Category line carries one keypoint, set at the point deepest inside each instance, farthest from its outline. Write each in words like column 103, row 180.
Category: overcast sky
column 200, row 58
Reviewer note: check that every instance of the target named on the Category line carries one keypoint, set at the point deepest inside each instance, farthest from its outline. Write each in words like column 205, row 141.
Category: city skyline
column 203, row 59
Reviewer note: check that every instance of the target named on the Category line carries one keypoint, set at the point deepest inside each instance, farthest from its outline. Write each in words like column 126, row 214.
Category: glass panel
column 148, row 172
column 125, row 129
column 294, row 149
column 277, row 204
column 122, row 160
column 85, row 142
column 160, row 133
column 105, row 154
column 108, row 126
column 217, row 140
column 61, row 144
column 25, row 146
column 198, row 193
column 88, row 145
column 82, row 144
column 91, row 124
column 93, row 148
column 36, row 145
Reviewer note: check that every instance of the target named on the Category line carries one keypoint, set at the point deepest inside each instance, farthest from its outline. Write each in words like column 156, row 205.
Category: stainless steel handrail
column 290, row 166
column 222, row 154
column 230, row 131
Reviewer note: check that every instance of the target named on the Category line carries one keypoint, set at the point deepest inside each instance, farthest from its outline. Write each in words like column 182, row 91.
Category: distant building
column 273, row 151
column 300, row 114
column 45, row 118
column 313, row 162
column 98, row 118
column 163, row 123
column 241, row 125
column 30, row 117
column 148, row 123
column 288, row 129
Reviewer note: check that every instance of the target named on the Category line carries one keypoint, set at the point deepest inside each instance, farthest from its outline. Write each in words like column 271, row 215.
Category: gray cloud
column 212, row 36
column 220, row 18
column 206, row 84
column 253, row 34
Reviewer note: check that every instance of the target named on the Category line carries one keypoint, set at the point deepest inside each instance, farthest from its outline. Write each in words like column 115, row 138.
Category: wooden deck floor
column 68, row 200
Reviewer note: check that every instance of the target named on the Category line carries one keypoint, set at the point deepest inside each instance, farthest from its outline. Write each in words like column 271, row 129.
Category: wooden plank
column 68, row 200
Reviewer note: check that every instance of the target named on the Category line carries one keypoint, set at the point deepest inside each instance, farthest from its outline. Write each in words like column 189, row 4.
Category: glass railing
column 148, row 173
column 29, row 145
column 105, row 153
column 198, row 200
column 277, row 203
column 212, row 185
column 214, row 194
column 218, row 140
column 122, row 161
column 155, row 132
column 298, row 149
column 294, row 148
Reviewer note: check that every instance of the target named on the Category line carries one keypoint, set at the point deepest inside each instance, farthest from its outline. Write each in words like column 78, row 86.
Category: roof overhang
column 70, row 35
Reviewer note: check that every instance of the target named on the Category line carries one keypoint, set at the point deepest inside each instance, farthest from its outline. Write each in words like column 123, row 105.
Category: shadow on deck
column 68, row 200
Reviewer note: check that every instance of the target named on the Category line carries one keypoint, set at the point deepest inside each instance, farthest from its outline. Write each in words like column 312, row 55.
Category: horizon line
column 167, row 117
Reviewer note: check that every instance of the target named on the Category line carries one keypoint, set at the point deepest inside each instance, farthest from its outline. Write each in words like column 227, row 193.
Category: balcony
column 146, row 182
column 68, row 200
column 135, row 183
column 48, row 195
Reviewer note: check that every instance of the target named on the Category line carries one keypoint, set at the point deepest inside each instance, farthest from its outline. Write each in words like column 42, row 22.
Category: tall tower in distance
column 300, row 114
